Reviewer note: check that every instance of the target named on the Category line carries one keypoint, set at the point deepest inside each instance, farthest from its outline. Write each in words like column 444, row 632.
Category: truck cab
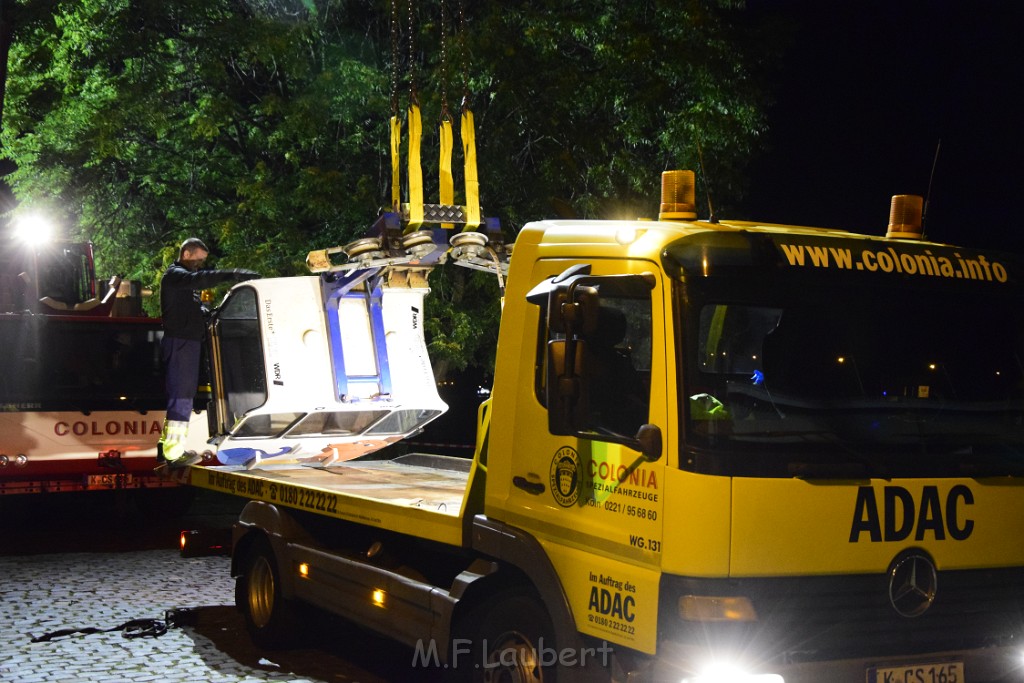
column 838, row 444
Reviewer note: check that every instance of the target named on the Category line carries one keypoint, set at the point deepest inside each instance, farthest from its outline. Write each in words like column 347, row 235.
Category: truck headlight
column 724, row 673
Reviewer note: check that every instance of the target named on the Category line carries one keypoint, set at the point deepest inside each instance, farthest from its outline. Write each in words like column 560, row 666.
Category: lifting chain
column 463, row 51
column 445, row 116
column 445, row 180
column 396, row 122
column 416, row 215
column 394, row 57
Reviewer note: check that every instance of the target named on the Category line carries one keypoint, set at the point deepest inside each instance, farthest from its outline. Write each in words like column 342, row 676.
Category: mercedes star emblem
column 912, row 584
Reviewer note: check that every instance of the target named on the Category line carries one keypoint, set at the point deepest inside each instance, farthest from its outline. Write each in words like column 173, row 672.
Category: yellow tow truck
column 714, row 451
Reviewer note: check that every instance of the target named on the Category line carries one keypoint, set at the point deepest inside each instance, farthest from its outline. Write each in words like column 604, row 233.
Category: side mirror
column 649, row 438
column 567, row 395
column 573, row 310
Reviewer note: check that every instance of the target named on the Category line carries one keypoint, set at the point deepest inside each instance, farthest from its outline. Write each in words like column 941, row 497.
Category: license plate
column 938, row 672
column 107, row 479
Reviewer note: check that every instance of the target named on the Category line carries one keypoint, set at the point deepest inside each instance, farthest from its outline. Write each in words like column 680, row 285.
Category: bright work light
column 34, row 229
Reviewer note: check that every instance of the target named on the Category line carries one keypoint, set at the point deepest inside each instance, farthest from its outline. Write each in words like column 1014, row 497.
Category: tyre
column 516, row 641
column 270, row 618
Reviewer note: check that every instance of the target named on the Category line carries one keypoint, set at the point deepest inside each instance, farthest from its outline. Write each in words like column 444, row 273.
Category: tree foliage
column 150, row 121
column 594, row 99
column 260, row 125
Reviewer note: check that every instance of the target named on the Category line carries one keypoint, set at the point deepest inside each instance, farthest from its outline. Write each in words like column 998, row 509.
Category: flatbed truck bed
column 413, row 493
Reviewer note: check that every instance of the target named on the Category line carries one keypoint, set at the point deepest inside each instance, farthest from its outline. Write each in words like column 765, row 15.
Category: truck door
column 589, row 460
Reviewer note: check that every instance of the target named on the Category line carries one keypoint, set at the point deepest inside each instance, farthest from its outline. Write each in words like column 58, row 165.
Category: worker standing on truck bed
column 184, row 328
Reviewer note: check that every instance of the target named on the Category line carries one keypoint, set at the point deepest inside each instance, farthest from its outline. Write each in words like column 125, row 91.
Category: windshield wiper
column 834, row 470
column 979, row 470
column 860, row 466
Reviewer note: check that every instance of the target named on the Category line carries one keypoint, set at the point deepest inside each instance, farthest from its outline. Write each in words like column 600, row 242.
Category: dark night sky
column 867, row 91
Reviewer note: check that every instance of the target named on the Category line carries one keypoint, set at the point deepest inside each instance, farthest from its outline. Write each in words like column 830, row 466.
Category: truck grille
column 824, row 618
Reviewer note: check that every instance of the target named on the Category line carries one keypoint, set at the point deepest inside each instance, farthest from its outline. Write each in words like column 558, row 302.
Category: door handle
column 532, row 487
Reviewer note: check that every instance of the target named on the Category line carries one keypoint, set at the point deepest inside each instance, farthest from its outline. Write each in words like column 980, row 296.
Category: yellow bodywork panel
column 794, row 527
column 611, row 600
column 698, row 515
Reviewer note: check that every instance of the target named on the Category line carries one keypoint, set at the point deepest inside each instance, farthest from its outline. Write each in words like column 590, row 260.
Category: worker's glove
column 241, row 274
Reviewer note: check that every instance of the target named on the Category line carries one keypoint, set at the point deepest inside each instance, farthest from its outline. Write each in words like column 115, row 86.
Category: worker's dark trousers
column 181, row 363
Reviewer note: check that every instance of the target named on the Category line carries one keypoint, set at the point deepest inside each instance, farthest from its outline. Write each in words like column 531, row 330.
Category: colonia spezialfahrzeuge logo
column 565, row 476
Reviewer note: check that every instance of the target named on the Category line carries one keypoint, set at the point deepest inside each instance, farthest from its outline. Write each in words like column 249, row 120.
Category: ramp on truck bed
column 414, row 493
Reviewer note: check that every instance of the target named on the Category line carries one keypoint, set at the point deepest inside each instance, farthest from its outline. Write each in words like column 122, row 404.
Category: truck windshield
column 80, row 363
column 834, row 380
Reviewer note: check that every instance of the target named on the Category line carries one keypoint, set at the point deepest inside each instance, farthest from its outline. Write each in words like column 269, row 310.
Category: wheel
column 516, row 642
column 270, row 618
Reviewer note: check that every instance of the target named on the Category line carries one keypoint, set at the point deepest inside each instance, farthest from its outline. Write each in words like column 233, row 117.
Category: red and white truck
column 81, row 383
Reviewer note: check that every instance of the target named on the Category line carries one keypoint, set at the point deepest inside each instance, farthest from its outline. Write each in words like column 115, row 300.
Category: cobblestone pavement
column 42, row 593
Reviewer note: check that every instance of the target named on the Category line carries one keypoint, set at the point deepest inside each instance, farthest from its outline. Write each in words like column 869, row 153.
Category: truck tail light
column 202, row 543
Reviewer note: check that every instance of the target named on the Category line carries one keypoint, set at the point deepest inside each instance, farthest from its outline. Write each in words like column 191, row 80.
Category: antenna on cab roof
column 712, row 218
column 928, row 194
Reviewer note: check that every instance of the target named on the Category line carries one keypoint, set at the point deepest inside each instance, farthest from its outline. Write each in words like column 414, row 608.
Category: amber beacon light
column 678, row 196
column 905, row 220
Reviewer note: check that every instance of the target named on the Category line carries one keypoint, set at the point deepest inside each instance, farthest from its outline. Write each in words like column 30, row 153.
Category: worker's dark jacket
column 180, row 307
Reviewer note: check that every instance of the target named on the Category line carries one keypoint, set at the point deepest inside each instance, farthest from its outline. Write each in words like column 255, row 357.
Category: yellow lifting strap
column 396, row 179
column 415, row 170
column 469, row 156
column 446, row 184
